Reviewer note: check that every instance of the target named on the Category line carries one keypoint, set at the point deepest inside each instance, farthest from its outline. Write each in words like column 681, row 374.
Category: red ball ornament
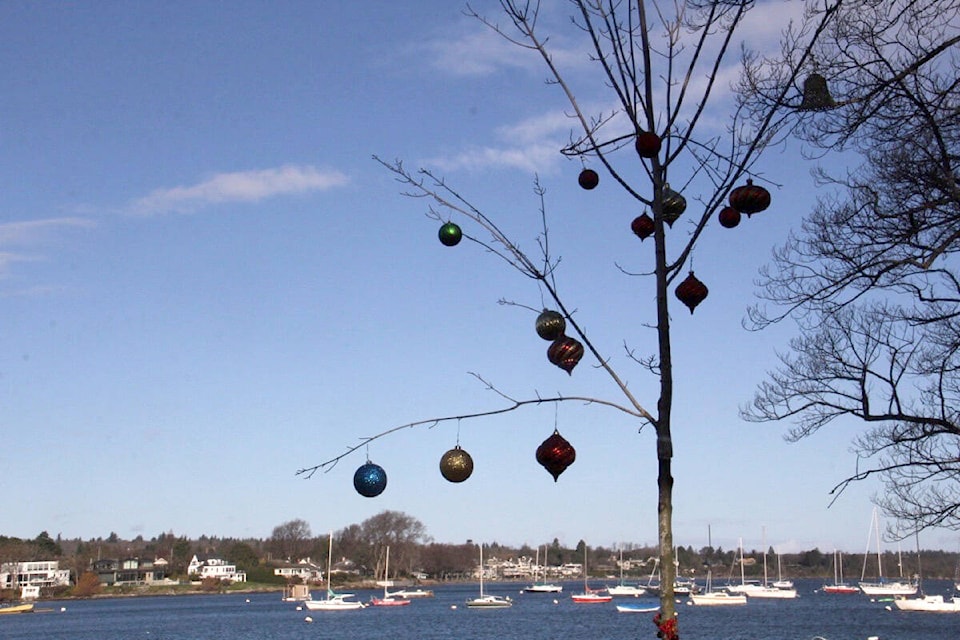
column 565, row 352
column 750, row 198
column 588, row 179
column 556, row 454
column 648, row 144
column 729, row 217
column 691, row 292
column 550, row 324
column 642, row 226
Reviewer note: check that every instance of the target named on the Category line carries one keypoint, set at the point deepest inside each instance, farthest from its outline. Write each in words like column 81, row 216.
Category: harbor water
column 264, row 616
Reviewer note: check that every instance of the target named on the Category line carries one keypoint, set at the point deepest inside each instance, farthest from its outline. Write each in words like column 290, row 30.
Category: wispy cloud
column 244, row 186
column 27, row 236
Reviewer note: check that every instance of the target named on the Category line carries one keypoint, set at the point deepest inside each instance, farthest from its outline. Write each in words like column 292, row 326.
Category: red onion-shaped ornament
column 729, row 217
column 691, row 292
column 672, row 206
column 550, row 325
column 450, row 234
column 556, row 454
column 565, row 352
column 588, row 179
column 648, row 144
column 750, row 198
column 370, row 480
column 642, row 226
column 456, row 465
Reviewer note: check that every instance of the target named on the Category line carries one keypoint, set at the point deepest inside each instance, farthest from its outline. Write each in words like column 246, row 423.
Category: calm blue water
column 533, row 616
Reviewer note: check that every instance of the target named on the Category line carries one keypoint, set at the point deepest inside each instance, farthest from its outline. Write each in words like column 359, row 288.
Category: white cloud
column 30, row 234
column 244, row 186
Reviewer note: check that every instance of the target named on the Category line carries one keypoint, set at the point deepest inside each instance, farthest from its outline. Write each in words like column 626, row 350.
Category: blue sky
column 208, row 284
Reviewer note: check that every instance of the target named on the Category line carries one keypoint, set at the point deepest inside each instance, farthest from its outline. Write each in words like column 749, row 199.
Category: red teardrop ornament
column 750, row 198
column 691, row 292
column 565, row 352
column 588, row 179
column 642, row 225
column 729, row 217
column 556, row 454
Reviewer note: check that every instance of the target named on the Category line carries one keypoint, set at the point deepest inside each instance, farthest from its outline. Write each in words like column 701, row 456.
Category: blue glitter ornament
column 370, row 480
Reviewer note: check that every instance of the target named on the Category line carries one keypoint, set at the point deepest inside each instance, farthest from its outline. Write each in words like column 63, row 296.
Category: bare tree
column 870, row 277
column 663, row 66
column 291, row 539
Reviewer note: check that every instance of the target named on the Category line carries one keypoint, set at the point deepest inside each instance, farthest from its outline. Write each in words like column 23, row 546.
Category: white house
column 215, row 568
column 39, row 573
column 305, row 570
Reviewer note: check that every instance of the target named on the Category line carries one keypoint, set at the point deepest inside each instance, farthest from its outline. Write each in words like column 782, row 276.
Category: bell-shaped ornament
column 816, row 95
column 556, row 454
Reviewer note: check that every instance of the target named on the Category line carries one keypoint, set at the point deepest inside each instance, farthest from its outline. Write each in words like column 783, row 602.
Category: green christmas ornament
column 450, row 234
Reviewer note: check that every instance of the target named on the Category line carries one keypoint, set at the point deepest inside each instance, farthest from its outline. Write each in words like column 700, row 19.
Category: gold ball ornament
column 456, row 465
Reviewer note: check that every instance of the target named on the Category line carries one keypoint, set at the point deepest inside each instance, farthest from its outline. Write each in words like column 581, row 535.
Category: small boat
column 485, row 601
column 711, row 598
column 388, row 599
column 932, row 604
column 412, row 593
column 637, row 608
column 17, row 608
column 839, row 586
column 622, row 589
column 543, row 586
column 882, row 587
column 590, row 596
column 333, row 601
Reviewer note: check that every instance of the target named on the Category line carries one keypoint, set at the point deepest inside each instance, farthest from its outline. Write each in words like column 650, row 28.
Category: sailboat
column 543, row 586
column 929, row 603
column 883, row 587
column 709, row 597
column 839, row 586
column 388, row 599
column 487, row 601
column 765, row 590
column 746, row 587
column 623, row 589
column 333, row 601
column 589, row 596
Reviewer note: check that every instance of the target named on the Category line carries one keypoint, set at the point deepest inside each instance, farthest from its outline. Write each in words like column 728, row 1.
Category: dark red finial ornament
column 642, row 226
column 556, row 454
column 750, row 198
column 691, row 292
column 565, row 352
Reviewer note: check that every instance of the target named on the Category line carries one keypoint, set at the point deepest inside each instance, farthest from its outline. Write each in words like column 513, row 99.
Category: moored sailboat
column 333, row 601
